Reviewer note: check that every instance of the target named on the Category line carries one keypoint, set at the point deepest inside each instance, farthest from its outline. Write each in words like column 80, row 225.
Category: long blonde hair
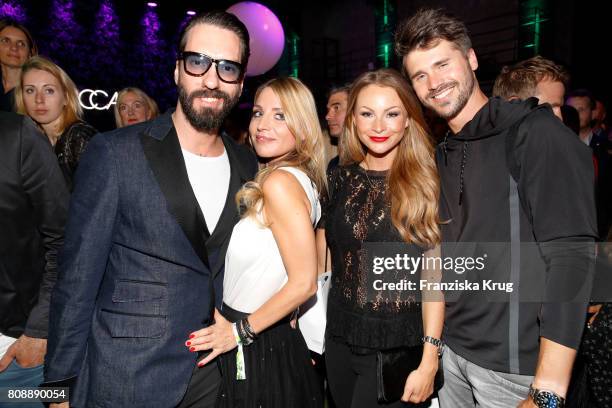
column 414, row 186
column 72, row 112
column 302, row 120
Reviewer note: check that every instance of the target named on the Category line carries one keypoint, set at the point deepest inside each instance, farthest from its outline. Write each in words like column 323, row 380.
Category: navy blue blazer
column 135, row 274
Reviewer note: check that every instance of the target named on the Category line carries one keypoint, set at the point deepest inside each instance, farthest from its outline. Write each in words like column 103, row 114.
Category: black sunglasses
column 197, row 64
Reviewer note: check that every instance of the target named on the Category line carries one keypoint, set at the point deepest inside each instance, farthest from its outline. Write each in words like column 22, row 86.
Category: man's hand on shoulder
column 27, row 351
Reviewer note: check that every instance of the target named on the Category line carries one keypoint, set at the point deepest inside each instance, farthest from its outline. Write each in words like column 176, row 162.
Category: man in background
column 336, row 113
column 585, row 104
column 33, row 208
column 534, row 77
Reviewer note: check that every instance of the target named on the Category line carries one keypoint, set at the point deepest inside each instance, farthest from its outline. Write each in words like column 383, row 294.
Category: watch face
column 545, row 399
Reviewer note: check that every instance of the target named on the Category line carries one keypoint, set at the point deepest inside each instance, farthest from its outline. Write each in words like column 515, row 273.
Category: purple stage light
column 152, row 4
column 12, row 10
column 191, row 13
column 150, row 24
column 64, row 30
column 107, row 22
column 152, row 42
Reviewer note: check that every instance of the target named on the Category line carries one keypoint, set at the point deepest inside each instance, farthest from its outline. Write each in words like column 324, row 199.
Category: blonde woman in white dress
column 271, row 263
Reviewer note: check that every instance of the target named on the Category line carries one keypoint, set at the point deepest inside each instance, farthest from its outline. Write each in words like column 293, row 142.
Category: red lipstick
column 379, row 139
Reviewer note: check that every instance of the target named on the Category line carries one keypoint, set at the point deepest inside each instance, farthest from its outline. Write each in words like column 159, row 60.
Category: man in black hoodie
column 511, row 173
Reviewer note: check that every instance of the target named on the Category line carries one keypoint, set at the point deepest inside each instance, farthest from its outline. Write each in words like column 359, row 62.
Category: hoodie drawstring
column 444, row 148
column 463, row 162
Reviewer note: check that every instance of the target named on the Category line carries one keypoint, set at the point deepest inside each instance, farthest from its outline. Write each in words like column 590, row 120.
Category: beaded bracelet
column 248, row 329
column 245, row 339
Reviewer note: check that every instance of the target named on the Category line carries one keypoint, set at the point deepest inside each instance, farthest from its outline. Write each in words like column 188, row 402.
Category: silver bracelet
column 436, row 342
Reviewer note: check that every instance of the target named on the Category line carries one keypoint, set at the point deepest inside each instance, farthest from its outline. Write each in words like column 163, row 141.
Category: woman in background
column 134, row 106
column 270, row 266
column 16, row 46
column 50, row 98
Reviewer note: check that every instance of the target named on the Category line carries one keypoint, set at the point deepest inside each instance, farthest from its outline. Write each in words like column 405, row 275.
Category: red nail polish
column 188, row 343
column 191, row 348
column 191, row 336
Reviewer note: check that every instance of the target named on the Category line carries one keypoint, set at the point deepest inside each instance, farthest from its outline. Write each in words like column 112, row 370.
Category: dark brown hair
column 426, row 28
column 221, row 19
column 520, row 80
column 8, row 22
column 582, row 93
column 346, row 88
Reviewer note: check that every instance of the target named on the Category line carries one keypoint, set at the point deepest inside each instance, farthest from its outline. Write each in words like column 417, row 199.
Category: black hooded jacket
column 548, row 205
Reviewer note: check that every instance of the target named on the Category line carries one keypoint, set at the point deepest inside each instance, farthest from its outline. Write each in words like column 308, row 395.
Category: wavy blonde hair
column 301, row 117
column 72, row 112
column 152, row 109
column 414, row 186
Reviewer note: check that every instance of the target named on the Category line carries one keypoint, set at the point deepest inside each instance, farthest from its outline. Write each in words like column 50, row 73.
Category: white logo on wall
column 96, row 99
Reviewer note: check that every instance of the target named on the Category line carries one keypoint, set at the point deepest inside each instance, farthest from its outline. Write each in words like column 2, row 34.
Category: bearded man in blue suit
column 149, row 223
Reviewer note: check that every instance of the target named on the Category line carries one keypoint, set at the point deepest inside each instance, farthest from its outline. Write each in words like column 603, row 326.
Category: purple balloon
column 266, row 32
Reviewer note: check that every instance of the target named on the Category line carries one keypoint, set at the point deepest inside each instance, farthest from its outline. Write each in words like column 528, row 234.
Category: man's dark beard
column 206, row 119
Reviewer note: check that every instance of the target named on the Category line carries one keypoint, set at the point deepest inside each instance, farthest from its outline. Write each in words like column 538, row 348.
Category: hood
column 495, row 117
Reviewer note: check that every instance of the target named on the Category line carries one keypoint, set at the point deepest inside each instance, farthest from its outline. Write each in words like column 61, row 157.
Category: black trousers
column 352, row 377
column 203, row 387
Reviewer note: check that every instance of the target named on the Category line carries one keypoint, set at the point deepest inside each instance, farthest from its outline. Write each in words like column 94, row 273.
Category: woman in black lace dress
column 386, row 191
column 50, row 98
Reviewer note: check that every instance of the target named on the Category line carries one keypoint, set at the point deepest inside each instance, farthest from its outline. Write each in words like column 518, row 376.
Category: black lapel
column 243, row 167
column 166, row 160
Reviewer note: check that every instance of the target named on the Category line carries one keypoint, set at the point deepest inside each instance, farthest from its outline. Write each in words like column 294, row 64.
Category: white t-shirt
column 254, row 269
column 209, row 178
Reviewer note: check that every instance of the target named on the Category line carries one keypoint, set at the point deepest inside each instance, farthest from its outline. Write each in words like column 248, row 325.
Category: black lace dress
column 597, row 352
column 356, row 213
column 69, row 147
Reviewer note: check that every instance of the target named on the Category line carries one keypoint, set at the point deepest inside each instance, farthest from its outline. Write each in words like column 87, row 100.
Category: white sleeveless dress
column 254, row 269
column 279, row 372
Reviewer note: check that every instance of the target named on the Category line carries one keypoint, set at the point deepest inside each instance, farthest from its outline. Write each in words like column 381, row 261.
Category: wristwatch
column 546, row 399
column 436, row 342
